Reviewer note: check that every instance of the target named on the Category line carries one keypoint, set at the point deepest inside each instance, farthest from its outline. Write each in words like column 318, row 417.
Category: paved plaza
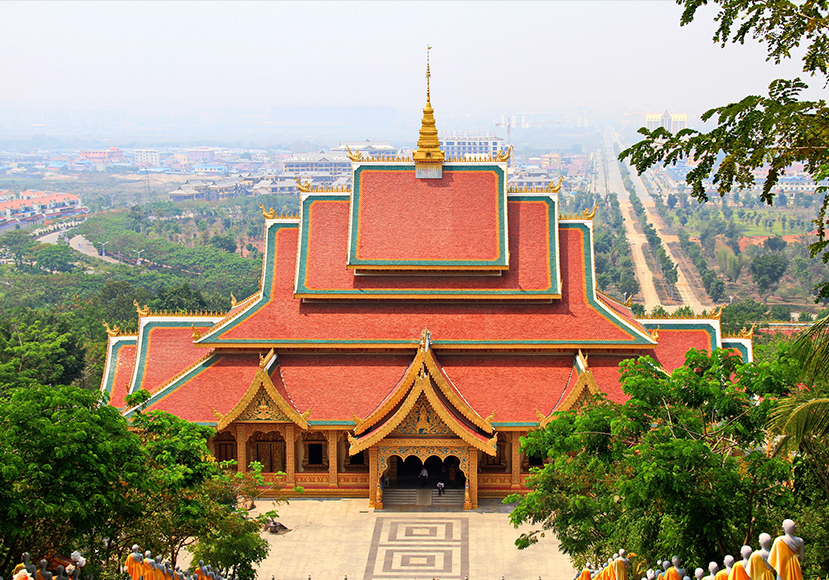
column 331, row 539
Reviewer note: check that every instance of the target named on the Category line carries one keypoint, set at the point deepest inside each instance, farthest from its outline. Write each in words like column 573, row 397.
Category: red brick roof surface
column 124, row 365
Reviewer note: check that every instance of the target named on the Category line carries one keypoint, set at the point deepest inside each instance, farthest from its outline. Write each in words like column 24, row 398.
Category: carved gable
column 422, row 420
column 262, row 408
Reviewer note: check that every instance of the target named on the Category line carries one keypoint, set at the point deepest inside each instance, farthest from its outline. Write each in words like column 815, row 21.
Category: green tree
column 17, row 245
column 66, row 462
column 766, row 271
column 775, row 130
column 55, row 257
column 38, row 351
column 680, row 468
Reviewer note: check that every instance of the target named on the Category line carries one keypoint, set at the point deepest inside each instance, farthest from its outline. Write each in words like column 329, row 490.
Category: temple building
column 428, row 315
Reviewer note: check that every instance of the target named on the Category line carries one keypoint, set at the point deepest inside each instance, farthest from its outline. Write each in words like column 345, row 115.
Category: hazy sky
column 512, row 57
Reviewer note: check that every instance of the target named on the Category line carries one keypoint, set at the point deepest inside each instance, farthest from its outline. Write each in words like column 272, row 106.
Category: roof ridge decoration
column 555, row 188
column 267, row 214
column 586, row 215
column 303, row 187
column 141, row 311
column 714, row 315
column 428, row 145
column 182, row 313
column 743, row 334
column 114, row 331
column 278, row 410
column 354, row 156
column 584, row 388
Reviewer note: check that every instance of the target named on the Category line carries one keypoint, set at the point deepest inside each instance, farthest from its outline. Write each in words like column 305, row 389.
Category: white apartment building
column 147, row 157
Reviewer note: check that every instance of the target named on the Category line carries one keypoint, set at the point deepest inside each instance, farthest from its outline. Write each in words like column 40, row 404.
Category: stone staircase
column 423, row 497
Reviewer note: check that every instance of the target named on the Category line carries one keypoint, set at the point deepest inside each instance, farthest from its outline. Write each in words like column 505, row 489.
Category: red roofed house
column 427, row 315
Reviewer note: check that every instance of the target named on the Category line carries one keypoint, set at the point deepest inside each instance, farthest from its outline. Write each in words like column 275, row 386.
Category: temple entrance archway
column 405, row 473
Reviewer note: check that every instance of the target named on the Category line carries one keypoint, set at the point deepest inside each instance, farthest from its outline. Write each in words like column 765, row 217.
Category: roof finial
column 428, row 157
column 428, row 75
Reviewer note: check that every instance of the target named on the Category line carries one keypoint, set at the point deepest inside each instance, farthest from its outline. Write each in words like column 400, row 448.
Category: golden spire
column 428, row 144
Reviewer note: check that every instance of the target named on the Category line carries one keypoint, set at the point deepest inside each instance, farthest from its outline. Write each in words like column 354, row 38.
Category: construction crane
column 510, row 122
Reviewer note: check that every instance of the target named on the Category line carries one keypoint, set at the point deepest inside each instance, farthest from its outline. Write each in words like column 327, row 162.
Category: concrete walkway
column 331, row 539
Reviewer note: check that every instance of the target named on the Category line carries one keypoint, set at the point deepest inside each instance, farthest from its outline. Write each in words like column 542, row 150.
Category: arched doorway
column 405, row 473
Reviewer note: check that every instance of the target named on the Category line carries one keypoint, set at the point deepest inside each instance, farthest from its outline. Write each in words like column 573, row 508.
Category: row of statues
column 25, row 570
column 144, row 567
column 774, row 560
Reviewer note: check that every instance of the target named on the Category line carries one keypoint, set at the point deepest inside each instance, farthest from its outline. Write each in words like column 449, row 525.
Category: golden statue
column 268, row 214
column 112, row 331
column 233, row 301
column 503, row 156
column 588, row 214
column 629, row 301
column 141, row 311
column 423, row 426
column 354, row 156
column 303, row 187
column 555, row 188
column 196, row 332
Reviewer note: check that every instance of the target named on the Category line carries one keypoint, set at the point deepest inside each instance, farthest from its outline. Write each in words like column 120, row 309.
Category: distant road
column 607, row 166
column 79, row 243
column 686, row 290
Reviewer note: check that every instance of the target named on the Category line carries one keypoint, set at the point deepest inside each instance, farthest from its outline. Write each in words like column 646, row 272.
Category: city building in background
column 672, row 123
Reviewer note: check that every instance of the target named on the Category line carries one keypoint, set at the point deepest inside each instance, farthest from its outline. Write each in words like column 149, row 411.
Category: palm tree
column 805, row 416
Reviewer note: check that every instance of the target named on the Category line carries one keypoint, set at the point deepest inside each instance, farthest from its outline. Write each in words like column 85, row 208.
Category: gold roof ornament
column 503, row 156
column 428, row 144
column 588, row 214
column 233, row 301
column 196, row 332
column 655, row 333
column 425, row 339
column 629, row 301
column 354, row 156
column 717, row 315
column 267, row 213
column 555, row 188
column 749, row 334
column 303, row 187
column 141, row 311
column 115, row 330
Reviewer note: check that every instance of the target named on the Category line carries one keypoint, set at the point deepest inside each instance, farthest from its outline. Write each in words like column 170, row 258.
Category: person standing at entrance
column 424, row 477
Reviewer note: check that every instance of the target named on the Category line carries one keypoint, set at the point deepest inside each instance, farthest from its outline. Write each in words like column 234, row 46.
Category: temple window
column 357, row 459
column 316, row 451
column 315, row 454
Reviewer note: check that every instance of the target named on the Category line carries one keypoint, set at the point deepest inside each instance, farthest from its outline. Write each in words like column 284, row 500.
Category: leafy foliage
column 775, row 130
column 679, row 469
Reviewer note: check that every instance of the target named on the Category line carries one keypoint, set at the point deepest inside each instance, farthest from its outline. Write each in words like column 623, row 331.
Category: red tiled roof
column 674, row 343
column 530, row 264
column 455, row 218
column 514, row 386
column 167, row 351
column 124, row 365
column 284, row 318
column 335, row 386
column 218, row 387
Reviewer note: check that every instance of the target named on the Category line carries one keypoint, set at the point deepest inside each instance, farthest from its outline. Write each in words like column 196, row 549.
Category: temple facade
column 427, row 316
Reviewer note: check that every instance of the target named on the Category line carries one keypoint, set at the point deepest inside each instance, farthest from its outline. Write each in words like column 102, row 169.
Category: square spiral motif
column 415, row 549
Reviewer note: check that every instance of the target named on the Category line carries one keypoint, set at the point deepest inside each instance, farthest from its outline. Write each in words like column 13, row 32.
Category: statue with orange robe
column 758, row 567
column 787, row 552
column 723, row 574
column 738, row 570
column 133, row 563
column 620, row 566
column 673, row 573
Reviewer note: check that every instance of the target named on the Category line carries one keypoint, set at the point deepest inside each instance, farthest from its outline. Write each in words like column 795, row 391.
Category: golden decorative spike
column 218, row 415
column 503, row 156
column 306, row 414
column 655, row 333
column 428, row 144
column 303, row 187
column 354, row 156
column 262, row 361
column 268, row 214
column 490, row 418
column 555, row 188
column 749, row 334
column 589, row 214
column 717, row 315
column 196, row 332
column 357, row 420
column 112, row 331
column 352, row 440
column 233, row 301
column 425, row 339
column 629, row 301
column 141, row 311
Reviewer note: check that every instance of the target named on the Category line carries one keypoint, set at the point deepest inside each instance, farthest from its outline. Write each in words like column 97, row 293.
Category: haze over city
column 219, row 69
